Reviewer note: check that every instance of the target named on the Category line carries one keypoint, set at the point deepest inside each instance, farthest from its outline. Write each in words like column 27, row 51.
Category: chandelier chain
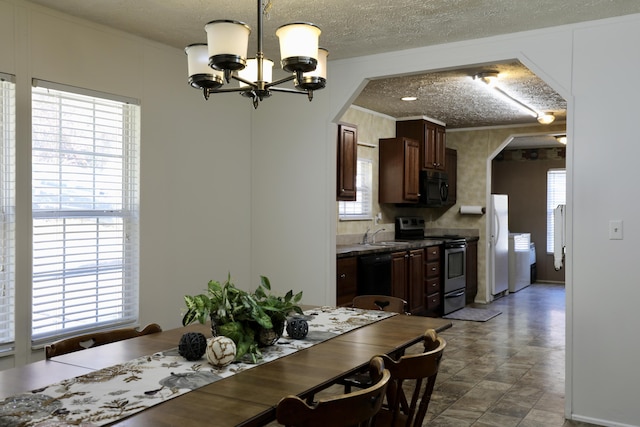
column 266, row 8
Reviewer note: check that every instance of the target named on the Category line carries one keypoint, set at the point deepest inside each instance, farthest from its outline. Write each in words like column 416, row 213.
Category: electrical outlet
column 615, row 229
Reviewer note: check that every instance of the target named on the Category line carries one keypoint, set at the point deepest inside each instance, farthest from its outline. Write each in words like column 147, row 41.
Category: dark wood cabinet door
column 416, row 283
column 412, row 170
column 399, row 275
column 431, row 138
column 399, row 170
column 347, row 162
column 346, row 280
column 440, row 160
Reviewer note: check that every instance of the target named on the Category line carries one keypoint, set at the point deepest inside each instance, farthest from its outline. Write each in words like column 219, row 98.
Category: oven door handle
column 456, row 295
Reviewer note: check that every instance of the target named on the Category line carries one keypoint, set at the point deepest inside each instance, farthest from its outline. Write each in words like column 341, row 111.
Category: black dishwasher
column 374, row 274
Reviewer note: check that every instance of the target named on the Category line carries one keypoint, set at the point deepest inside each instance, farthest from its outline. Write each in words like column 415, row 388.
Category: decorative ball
column 221, row 351
column 297, row 328
column 192, row 345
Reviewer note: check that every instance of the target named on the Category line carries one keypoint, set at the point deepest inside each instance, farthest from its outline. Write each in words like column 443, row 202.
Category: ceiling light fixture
column 409, row 98
column 224, row 57
column 490, row 78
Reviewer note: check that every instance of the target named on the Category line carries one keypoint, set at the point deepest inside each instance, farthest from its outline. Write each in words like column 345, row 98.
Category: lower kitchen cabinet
column 407, row 279
column 346, row 280
column 433, row 280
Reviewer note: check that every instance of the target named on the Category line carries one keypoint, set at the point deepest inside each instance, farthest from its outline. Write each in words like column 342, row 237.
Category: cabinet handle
column 433, row 269
column 342, row 276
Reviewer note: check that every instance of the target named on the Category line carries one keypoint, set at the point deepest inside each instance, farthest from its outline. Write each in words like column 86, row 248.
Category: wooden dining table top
column 248, row 398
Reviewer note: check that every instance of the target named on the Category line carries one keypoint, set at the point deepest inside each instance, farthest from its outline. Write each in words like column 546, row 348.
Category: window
column 361, row 208
column 556, row 195
column 7, row 211
column 85, row 211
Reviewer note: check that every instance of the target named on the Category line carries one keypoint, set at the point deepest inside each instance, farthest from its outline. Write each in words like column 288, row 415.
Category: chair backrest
column 421, row 367
column 380, row 302
column 345, row 410
column 81, row 342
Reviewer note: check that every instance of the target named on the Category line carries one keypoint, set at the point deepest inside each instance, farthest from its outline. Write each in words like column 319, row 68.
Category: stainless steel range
column 454, row 268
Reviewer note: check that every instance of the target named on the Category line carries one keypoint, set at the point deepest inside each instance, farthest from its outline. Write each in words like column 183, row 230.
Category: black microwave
column 434, row 189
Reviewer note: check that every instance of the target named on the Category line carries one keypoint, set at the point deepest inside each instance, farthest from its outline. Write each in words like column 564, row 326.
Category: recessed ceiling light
column 409, row 98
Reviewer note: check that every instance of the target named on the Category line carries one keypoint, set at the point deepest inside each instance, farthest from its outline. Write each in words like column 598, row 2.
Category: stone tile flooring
column 508, row 371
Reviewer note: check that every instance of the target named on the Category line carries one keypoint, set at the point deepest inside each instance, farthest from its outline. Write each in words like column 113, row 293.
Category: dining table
column 248, row 398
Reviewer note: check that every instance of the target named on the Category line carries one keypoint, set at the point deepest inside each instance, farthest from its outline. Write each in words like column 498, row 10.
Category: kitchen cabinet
column 407, row 279
column 431, row 138
column 433, row 280
column 346, row 280
column 471, row 288
column 347, row 162
column 451, row 168
column 399, row 170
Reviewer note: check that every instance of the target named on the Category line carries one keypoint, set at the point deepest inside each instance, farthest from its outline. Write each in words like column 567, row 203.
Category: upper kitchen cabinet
column 399, row 170
column 347, row 162
column 432, row 140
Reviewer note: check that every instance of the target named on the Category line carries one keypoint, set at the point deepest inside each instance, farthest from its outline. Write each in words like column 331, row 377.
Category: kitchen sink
column 385, row 244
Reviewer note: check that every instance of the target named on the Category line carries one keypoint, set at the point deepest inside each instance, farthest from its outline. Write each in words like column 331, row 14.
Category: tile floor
column 508, row 371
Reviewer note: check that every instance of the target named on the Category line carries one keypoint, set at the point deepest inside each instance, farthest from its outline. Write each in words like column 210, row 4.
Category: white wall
column 195, row 170
column 593, row 65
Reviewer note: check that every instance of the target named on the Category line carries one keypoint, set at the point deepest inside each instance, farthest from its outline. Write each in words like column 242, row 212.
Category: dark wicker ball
column 192, row 345
column 297, row 328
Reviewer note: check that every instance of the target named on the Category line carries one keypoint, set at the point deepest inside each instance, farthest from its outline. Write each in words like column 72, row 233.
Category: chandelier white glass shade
column 224, row 57
column 490, row 78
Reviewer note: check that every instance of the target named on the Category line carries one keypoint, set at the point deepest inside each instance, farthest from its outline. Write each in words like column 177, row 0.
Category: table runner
column 113, row 393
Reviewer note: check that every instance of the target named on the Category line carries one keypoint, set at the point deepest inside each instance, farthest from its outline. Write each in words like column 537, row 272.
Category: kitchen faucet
column 366, row 237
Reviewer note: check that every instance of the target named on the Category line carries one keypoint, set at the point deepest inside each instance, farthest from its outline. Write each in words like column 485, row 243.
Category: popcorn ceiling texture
column 358, row 28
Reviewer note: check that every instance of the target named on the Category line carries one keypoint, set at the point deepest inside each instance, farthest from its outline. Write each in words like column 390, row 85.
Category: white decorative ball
column 221, row 351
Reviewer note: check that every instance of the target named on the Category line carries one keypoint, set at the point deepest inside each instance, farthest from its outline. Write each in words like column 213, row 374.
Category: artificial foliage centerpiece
column 251, row 320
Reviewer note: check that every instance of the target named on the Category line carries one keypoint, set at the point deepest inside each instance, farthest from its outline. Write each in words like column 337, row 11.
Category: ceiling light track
column 490, row 78
column 224, row 57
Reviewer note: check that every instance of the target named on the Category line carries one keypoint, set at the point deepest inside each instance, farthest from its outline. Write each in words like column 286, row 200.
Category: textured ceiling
column 364, row 27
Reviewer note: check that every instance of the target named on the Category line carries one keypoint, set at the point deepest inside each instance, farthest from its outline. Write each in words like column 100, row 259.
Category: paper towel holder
column 472, row 210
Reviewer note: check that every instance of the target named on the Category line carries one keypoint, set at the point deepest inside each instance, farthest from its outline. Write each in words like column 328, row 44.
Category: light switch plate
column 615, row 229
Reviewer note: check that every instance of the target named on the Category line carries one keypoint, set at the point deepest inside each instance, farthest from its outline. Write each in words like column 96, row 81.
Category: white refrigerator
column 499, row 243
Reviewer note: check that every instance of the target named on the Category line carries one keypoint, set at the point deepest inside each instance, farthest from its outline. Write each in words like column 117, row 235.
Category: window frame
column 86, row 210
column 7, row 212
column 555, row 177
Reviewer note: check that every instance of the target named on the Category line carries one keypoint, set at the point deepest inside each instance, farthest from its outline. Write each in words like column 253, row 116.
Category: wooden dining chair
column 380, row 302
column 82, row 342
column 344, row 410
column 372, row 302
column 405, row 410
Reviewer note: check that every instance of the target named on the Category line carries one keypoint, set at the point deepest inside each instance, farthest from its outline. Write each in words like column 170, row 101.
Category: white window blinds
column 85, row 211
column 7, row 211
column 556, row 195
column 361, row 207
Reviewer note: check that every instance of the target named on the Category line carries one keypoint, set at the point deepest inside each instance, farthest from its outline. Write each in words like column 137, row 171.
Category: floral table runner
column 113, row 393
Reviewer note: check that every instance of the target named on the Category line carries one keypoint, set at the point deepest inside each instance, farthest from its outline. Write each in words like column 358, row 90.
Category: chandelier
column 224, row 57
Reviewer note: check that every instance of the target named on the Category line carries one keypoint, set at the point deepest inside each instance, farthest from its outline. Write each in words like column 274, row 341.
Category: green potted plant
column 249, row 319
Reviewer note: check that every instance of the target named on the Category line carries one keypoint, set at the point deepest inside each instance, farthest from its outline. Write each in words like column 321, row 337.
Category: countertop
column 357, row 249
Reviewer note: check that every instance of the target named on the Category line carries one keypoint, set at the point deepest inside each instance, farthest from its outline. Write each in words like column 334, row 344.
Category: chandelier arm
column 289, row 90
column 250, row 83
column 231, row 89
column 277, row 82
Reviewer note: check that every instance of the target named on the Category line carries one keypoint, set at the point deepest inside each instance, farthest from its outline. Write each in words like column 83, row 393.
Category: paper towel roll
column 471, row 210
